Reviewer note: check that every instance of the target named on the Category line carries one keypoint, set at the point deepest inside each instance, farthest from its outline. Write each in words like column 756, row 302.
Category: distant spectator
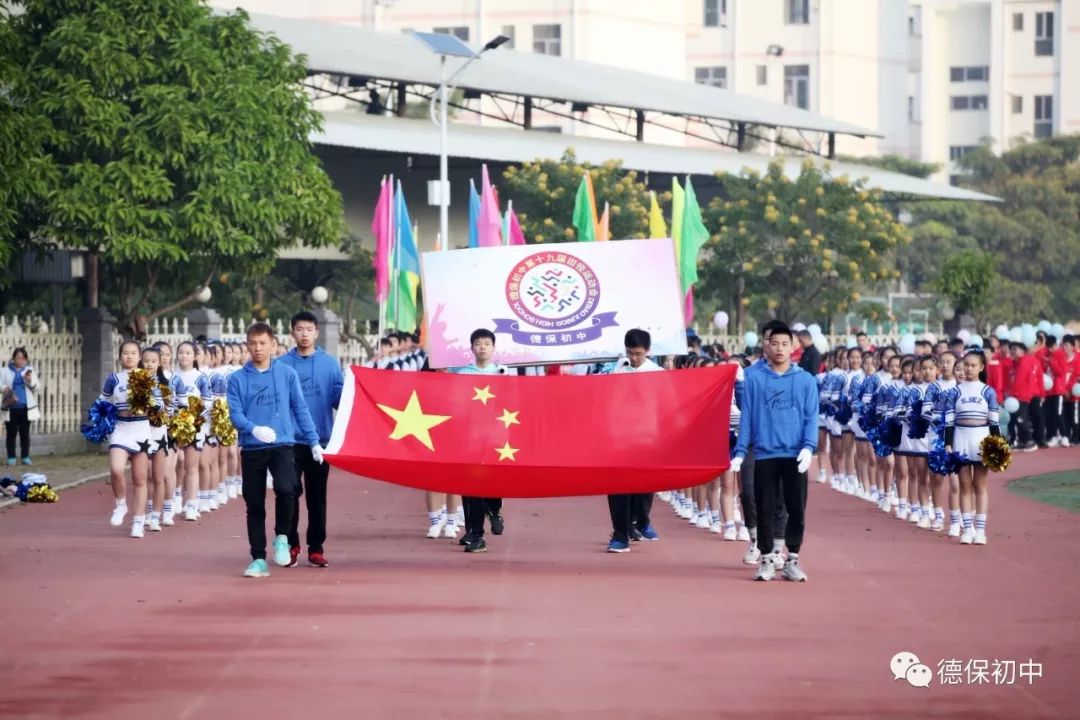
column 19, row 407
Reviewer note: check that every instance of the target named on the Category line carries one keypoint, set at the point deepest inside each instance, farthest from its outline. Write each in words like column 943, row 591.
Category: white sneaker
column 716, row 527
column 703, row 521
column 884, row 505
column 924, row 522
column 834, row 483
column 980, row 537
column 968, row 537
column 136, row 530
column 915, row 517
column 1053, row 442
column 178, row 500
column 1065, row 442
column 450, row 531
column 822, row 477
column 766, row 571
column 901, row 515
column 663, row 496
column 167, row 519
column 222, row 495
column 204, row 505
column 435, row 529
column 233, row 490
column 731, row 534
column 938, row 525
column 118, row 514
column 153, row 525
column 778, row 560
column 955, row 529
column 191, row 512
column 752, row 556
column 744, row 534
column 894, row 499
column 212, row 502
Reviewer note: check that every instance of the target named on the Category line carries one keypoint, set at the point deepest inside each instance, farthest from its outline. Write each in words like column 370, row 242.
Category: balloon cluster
column 140, row 391
column 221, row 424
column 100, row 421
column 996, row 453
column 182, row 427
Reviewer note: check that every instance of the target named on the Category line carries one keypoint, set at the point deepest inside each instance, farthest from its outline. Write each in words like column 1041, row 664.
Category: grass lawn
column 1060, row 489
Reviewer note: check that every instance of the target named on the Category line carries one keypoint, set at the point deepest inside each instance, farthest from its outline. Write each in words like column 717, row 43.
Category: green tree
column 802, row 246
column 543, row 194
column 174, row 143
column 967, row 280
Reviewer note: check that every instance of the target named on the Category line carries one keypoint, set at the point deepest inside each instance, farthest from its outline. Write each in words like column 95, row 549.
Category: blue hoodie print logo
column 776, row 401
column 263, row 396
column 308, row 386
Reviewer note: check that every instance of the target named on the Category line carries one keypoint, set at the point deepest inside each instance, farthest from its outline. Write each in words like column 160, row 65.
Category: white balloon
column 907, row 344
column 751, row 339
column 1076, row 390
column 1058, row 331
column 822, row 344
column 930, row 338
column 1016, row 335
column 798, row 327
column 851, row 342
column 977, row 341
column 964, row 335
column 1029, row 337
column 1044, row 325
column 720, row 320
column 1011, row 404
column 814, row 329
column 1001, row 332
column 1048, row 381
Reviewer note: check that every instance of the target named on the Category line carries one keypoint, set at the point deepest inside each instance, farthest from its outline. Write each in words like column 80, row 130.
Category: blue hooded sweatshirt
column 321, row 382
column 272, row 398
column 779, row 413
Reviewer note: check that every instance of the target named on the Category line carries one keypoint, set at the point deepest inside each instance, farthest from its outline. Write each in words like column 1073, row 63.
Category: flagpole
column 396, row 259
column 382, row 300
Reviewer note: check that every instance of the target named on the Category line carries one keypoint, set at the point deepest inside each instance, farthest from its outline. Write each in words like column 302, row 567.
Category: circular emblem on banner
column 552, row 290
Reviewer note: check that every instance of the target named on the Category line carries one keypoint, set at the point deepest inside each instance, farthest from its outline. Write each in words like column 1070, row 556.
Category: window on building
column 959, row 102
column 715, row 76
column 762, row 74
column 960, row 73
column 797, row 86
column 547, row 39
column 510, row 32
column 958, row 151
column 1044, row 33
column 461, row 32
column 954, row 179
column 1018, row 22
column 1017, row 104
column 715, row 13
column 979, row 72
column 798, row 12
column 956, row 74
column 1044, row 116
column 979, row 102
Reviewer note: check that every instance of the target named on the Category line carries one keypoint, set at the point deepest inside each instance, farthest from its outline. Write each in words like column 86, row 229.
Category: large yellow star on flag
column 509, row 418
column 506, row 452
column 483, row 394
column 413, row 421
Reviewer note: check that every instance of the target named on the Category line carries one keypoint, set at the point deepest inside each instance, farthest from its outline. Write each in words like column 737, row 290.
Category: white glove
column 264, row 434
column 804, row 458
column 317, row 454
column 736, row 465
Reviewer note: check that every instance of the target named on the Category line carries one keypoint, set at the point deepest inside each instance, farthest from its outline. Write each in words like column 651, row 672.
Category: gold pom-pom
column 41, row 494
column 140, row 391
column 995, row 452
column 166, row 394
column 221, row 423
column 157, row 417
column 182, row 427
column 196, row 406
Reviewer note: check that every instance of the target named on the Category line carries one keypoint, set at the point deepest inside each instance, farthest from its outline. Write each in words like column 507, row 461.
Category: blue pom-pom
column 843, row 413
column 22, row 489
column 101, row 421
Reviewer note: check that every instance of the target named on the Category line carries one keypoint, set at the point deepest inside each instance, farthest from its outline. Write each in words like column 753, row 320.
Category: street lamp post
column 449, row 46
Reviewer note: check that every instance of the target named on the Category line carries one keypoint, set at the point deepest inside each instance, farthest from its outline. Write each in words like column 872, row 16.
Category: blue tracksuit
column 272, row 398
column 321, row 382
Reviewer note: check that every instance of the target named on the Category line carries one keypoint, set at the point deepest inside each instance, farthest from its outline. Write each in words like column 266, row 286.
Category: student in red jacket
column 1038, row 402
column 1071, row 416
column 1026, row 379
column 1054, row 405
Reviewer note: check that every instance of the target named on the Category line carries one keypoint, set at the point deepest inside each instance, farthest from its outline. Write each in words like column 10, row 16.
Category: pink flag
column 688, row 309
column 516, row 237
column 381, row 228
column 490, row 220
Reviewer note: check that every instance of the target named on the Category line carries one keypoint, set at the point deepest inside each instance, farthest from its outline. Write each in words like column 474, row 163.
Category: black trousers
column 1054, row 416
column 476, row 509
column 1022, row 420
column 18, row 425
column 774, row 478
column 281, row 463
column 1072, row 421
column 312, row 477
column 1038, row 424
column 749, row 501
column 628, row 510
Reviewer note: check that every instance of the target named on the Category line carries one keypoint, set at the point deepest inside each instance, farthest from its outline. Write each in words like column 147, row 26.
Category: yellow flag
column 604, row 227
column 657, row 228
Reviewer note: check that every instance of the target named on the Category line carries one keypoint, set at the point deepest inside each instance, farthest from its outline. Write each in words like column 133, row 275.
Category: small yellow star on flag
column 413, row 421
column 483, row 394
column 506, row 452
column 509, row 418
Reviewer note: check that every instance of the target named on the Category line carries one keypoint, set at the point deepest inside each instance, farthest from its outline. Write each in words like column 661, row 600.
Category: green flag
column 678, row 200
column 691, row 239
column 585, row 211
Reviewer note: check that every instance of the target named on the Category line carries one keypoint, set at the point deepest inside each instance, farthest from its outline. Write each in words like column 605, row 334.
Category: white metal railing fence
column 56, row 356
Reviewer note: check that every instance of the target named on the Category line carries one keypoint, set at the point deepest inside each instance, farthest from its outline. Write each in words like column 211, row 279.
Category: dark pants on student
column 254, row 464
column 627, row 510
column 312, row 477
column 641, row 510
column 749, row 502
column 775, row 478
column 1054, row 416
column 476, row 509
column 1022, row 418
column 18, row 425
column 1072, row 421
column 1038, row 422
column 493, row 505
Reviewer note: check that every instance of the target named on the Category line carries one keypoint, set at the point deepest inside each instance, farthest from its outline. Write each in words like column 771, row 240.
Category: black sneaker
column 476, row 545
column 466, row 539
column 497, row 525
column 635, row 535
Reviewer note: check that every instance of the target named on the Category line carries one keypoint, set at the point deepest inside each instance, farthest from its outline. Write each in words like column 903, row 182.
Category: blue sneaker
column 618, row 546
column 649, row 534
column 257, row 569
column 281, row 551
column 11, row 461
column 26, row 461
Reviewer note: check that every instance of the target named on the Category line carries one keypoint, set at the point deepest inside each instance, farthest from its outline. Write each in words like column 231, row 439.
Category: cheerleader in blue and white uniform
column 904, row 450
column 219, row 389
column 918, row 469
column 233, row 480
column 174, row 502
column 130, row 441
column 886, row 399
column 824, row 467
column 852, row 383
column 933, row 412
column 867, row 417
column 835, row 380
column 863, row 452
column 159, row 443
column 194, row 383
column 971, row 414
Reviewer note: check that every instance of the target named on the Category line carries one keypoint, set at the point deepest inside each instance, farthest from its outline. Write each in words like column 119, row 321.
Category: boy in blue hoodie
column 268, row 410
column 779, row 421
column 321, row 382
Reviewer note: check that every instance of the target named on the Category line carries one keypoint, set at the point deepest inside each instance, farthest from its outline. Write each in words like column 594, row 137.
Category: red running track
column 545, row 625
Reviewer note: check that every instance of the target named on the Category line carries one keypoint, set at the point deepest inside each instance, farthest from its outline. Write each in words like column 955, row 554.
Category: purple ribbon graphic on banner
column 588, row 333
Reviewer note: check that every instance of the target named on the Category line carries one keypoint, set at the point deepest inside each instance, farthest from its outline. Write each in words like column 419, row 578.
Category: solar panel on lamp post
column 448, row 46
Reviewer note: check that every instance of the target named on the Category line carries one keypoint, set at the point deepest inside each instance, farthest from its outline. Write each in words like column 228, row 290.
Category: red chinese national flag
column 523, row 436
